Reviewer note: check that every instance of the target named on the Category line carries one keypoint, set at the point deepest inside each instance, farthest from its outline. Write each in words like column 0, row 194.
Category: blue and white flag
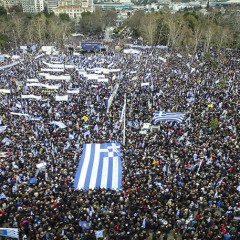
column 99, row 234
column 9, row 232
column 59, row 124
column 85, row 225
column 2, row 128
column 168, row 116
column 100, row 166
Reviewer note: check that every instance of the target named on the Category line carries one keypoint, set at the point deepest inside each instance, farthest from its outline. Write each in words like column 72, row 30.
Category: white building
column 51, row 5
column 74, row 8
column 33, row 6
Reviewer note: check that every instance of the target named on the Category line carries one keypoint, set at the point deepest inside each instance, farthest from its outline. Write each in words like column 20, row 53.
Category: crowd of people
column 179, row 180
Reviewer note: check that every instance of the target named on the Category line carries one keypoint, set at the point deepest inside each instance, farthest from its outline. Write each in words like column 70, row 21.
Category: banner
column 9, row 65
column 9, row 232
column 61, row 98
column 19, row 114
column 31, row 96
column 2, row 128
column 61, row 77
column 4, row 90
column 145, row 84
column 52, row 70
column 72, row 91
column 33, row 80
column 59, row 124
column 102, row 80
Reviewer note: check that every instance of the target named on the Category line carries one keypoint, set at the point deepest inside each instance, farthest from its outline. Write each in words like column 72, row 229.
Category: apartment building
column 32, row 6
column 51, row 5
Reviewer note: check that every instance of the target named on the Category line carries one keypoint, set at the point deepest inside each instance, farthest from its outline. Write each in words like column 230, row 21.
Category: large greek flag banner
column 168, row 116
column 9, row 232
column 100, row 166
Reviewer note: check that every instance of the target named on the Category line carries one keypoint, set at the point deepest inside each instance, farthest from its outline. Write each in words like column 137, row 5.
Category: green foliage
column 223, row 83
column 213, row 124
column 64, row 17
column 85, row 14
column 214, row 63
column 96, row 22
column 207, row 55
column 191, row 19
column 3, row 11
column 3, row 41
column 15, row 9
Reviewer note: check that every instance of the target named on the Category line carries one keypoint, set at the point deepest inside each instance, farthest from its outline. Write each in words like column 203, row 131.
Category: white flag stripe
column 100, row 166
column 94, row 172
column 115, row 173
column 104, row 172
column 83, row 172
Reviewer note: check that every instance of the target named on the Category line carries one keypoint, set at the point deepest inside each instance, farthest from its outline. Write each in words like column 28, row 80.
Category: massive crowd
column 180, row 180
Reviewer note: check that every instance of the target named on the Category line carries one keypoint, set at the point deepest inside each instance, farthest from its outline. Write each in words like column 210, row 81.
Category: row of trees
column 18, row 28
column 186, row 31
column 21, row 28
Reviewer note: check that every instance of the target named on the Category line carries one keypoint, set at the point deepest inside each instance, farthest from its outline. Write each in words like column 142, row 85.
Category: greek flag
column 2, row 128
column 99, row 167
column 9, row 232
column 168, row 116
column 98, row 234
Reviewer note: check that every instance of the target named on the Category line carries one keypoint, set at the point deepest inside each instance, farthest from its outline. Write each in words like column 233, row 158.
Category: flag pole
column 124, row 119
column 199, row 167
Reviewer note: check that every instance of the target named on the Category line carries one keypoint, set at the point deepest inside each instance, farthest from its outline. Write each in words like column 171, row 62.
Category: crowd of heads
column 179, row 180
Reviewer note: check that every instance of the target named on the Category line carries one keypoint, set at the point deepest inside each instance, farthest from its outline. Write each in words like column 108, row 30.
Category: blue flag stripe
column 168, row 116
column 95, row 166
column 110, row 172
column 99, row 174
column 90, row 166
column 77, row 176
column 99, row 166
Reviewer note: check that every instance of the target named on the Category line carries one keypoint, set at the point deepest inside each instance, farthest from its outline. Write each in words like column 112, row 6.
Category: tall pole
column 124, row 119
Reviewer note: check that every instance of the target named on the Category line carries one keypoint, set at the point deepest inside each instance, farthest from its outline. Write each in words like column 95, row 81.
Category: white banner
column 43, row 74
column 94, row 76
column 59, row 124
column 2, row 128
column 145, row 84
column 41, row 165
column 9, row 65
column 19, row 114
column 34, row 84
column 102, row 80
column 4, row 90
column 73, row 91
column 52, row 70
column 131, row 51
column 61, row 98
column 31, row 96
column 32, row 80
column 61, row 77
column 40, row 55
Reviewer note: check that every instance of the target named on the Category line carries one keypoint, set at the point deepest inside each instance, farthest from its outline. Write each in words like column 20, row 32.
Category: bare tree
column 148, row 27
column 175, row 25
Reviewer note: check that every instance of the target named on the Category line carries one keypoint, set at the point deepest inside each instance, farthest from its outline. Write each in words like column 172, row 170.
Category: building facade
column 51, row 5
column 33, row 6
column 74, row 8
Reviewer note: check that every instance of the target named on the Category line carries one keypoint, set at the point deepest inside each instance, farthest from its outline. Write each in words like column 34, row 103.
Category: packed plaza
column 179, row 179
